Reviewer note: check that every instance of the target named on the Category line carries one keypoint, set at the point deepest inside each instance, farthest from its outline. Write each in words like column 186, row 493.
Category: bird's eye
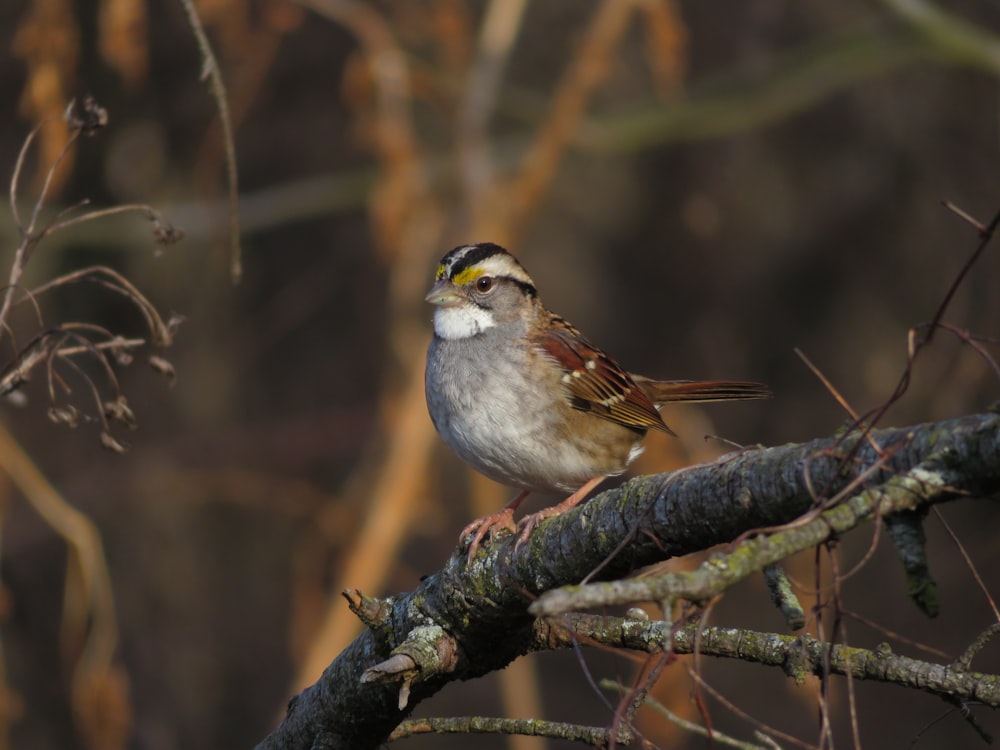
column 484, row 284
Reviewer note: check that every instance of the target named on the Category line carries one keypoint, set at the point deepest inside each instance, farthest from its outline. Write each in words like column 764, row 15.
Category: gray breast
column 504, row 425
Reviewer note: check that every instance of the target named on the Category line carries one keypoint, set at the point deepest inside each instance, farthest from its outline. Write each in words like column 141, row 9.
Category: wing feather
column 595, row 383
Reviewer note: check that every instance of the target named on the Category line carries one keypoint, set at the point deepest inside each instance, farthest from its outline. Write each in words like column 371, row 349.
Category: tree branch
column 917, row 487
column 798, row 655
column 483, row 605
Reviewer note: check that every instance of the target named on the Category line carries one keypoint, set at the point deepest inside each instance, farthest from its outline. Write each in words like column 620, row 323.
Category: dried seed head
column 111, row 444
column 120, row 411
column 67, row 415
column 87, row 115
column 163, row 367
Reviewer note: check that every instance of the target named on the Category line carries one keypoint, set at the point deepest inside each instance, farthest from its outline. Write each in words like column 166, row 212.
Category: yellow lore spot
column 466, row 275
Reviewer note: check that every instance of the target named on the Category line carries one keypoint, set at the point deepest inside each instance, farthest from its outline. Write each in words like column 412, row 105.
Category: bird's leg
column 484, row 526
column 527, row 524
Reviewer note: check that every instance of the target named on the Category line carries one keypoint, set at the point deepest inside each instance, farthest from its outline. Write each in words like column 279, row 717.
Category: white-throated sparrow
column 523, row 397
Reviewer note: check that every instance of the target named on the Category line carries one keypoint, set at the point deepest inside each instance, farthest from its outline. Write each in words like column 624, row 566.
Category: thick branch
column 483, row 605
column 902, row 493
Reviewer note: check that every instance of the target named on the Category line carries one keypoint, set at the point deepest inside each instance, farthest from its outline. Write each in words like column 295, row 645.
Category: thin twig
column 896, row 636
column 27, row 240
column 733, row 708
column 689, row 726
column 841, row 629
column 164, row 230
column 162, row 331
column 968, row 561
column 211, row 71
column 969, row 339
column 15, row 180
column 596, row 736
column 47, row 184
column 837, row 395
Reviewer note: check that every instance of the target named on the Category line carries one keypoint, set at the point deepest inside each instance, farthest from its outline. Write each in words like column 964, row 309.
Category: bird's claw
column 484, row 527
column 527, row 525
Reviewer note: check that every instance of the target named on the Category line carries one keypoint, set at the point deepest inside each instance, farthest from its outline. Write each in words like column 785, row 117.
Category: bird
column 522, row 396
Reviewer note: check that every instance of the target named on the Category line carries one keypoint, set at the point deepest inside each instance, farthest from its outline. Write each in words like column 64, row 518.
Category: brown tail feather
column 697, row 391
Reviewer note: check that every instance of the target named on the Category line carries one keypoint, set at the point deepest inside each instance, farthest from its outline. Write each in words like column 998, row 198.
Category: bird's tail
column 699, row 391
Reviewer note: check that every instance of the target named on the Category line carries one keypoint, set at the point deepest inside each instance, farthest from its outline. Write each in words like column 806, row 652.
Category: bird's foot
column 527, row 524
column 484, row 527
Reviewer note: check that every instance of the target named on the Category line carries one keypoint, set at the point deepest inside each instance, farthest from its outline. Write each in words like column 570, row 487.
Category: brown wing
column 595, row 383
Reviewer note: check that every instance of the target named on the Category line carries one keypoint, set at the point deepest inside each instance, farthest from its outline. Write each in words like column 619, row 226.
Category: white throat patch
column 461, row 322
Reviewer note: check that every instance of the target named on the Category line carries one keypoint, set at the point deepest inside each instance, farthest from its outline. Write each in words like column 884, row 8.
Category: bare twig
column 211, row 71
column 734, row 709
column 162, row 331
column 972, row 566
column 689, row 726
column 28, row 241
column 164, row 232
column 595, row 736
column 59, row 346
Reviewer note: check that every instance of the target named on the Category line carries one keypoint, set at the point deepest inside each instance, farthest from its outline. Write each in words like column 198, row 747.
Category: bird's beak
column 443, row 293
